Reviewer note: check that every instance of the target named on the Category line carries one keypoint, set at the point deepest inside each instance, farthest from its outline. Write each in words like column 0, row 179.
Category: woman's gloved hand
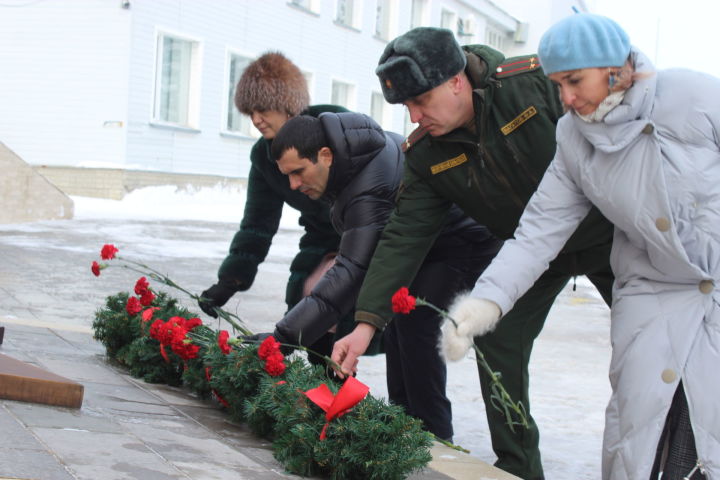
column 474, row 317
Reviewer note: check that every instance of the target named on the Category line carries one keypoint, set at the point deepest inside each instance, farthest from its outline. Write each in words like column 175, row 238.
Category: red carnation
column 178, row 335
column 147, row 298
column 174, row 333
column 167, row 332
column 164, row 353
column 268, row 347
column 95, row 268
column 179, row 342
column 156, row 328
column 186, row 349
column 191, row 323
column 133, row 306
column 108, row 251
column 276, row 357
column 141, row 286
column 402, row 301
column 147, row 314
column 275, row 367
column 223, row 341
column 172, row 329
column 193, row 351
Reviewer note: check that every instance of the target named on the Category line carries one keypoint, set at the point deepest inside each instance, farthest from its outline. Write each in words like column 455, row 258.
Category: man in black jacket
column 348, row 161
column 271, row 90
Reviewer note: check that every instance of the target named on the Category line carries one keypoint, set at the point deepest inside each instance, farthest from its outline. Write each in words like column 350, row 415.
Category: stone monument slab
column 27, row 383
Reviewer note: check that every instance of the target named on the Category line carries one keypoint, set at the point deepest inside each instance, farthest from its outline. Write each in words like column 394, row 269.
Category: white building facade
column 148, row 84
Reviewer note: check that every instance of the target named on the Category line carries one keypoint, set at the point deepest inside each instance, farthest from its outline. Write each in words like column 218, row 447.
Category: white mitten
column 474, row 316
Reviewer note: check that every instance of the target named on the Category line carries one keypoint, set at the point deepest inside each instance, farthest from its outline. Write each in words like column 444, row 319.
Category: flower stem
column 235, row 321
column 500, row 398
column 451, row 445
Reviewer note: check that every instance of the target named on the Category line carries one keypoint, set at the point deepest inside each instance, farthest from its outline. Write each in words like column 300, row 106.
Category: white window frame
column 192, row 114
column 246, row 127
column 452, row 24
column 467, row 28
column 388, row 18
column 356, row 13
column 420, row 17
column 310, row 80
column 385, row 119
column 312, row 6
column 351, row 93
column 495, row 37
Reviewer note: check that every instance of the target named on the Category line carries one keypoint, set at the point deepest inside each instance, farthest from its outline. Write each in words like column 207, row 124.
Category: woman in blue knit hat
column 644, row 147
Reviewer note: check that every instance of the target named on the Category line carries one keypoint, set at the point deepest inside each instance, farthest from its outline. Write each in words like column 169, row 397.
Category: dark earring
column 611, row 80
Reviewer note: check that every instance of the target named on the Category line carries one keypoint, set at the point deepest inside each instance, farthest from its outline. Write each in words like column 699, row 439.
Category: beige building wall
column 114, row 183
column 27, row 196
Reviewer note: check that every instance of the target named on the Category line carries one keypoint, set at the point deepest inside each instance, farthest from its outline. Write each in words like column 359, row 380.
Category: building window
column 448, row 20
column 342, row 94
column 466, row 29
column 418, row 13
column 177, row 83
column 311, row 86
column 309, row 5
column 379, row 110
column 235, row 121
column 348, row 13
column 495, row 37
column 383, row 19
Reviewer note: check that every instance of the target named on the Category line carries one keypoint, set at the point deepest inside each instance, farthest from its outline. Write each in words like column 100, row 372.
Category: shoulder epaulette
column 517, row 65
column 413, row 138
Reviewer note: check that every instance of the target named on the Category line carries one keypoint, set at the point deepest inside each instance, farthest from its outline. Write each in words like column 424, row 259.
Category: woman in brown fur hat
column 272, row 90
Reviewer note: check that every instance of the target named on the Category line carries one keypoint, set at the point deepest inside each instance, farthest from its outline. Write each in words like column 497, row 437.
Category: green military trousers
column 507, row 350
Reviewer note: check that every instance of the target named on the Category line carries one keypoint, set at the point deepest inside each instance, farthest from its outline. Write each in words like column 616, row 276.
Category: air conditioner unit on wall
column 521, row 34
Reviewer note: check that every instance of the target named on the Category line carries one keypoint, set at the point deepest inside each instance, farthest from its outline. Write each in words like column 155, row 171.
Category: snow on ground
column 569, row 386
column 216, row 204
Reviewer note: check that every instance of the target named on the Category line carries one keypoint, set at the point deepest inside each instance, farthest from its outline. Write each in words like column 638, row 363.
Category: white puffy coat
column 652, row 167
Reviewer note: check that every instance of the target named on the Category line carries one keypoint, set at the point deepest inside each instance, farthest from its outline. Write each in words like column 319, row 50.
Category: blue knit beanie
column 583, row 40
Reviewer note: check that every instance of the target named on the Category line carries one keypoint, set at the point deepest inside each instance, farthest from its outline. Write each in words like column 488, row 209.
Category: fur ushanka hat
column 418, row 61
column 272, row 82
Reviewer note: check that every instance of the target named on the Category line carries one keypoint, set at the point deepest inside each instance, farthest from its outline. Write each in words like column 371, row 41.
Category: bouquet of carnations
column 317, row 426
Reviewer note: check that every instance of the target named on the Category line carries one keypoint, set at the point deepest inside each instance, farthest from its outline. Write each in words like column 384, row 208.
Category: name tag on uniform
column 519, row 120
column 447, row 164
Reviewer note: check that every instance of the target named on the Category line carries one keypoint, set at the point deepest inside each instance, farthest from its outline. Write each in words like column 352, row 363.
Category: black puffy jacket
column 362, row 185
column 267, row 191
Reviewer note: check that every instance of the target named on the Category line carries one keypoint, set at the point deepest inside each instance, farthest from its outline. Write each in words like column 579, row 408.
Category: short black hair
column 303, row 133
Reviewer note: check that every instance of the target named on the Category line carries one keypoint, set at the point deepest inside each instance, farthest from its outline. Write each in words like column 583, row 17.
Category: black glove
column 258, row 338
column 215, row 296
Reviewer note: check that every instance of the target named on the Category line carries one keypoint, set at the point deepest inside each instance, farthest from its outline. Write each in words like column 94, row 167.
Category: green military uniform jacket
column 490, row 174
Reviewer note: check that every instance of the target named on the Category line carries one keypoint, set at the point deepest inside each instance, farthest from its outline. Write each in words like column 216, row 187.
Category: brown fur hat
column 272, row 82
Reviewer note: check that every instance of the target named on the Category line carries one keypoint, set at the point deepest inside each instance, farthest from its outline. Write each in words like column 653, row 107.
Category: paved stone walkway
column 128, row 429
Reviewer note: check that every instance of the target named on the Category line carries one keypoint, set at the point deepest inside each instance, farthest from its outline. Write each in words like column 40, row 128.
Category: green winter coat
column 490, row 174
column 267, row 191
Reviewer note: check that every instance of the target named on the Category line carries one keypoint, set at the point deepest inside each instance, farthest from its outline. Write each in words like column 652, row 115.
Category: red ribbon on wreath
column 335, row 406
